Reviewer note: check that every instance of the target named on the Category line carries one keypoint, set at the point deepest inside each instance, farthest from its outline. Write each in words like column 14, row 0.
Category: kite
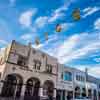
column 46, row 35
column 37, row 41
column 58, row 28
column 76, row 14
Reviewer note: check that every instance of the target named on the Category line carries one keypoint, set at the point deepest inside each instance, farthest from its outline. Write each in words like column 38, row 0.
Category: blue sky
column 77, row 45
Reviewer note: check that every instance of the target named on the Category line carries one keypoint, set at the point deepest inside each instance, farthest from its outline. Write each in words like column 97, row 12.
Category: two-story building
column 73, row 83
column 27, row 72
column 83, row 87
column 64, row 83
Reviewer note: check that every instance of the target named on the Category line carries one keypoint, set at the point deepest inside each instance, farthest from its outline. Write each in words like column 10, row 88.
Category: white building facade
column 73, row 84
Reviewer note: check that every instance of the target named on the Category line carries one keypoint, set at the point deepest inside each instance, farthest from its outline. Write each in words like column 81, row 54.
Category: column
column 92, row 94
column 66, row 93
column 80, row 91
column 61, row 95
column 23, row 91
column 1, row 86
column 97, row 95
column 54, row 95
column 41, row 92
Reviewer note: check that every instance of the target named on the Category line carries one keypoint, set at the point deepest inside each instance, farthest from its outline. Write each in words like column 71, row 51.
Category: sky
column 78, row 43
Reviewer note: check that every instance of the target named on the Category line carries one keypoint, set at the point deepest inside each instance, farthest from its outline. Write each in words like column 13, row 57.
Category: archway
column 12, row 86
column 32, row 87
column 48, row 88
column 77, row 92
column 83, row 92
column 90, row 93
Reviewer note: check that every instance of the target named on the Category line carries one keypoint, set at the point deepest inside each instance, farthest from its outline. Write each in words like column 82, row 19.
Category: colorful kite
column 76, row 14
column 37, row 41
column 58, row 28
column 46, row 35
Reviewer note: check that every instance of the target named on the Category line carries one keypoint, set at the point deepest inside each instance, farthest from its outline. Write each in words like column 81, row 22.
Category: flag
column 58, row 28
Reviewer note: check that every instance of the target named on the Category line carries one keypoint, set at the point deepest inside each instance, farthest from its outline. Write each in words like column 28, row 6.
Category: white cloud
column 2, row 49
column 68, row 45
column 66, row 26
column 55, row 16
column 58, row 13
column 26, row 17
column 60, row 9
column 3, row 42
column 41, row 21
column 27, row 36
column 90, row 10
column 93, row 70
column 97, row 60
column 76, row 46
column 97, row 24
column 80, row 52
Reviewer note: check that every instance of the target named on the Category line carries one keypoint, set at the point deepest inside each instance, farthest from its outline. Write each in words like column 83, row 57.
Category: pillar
column 41, row 92
column 97, row 95
column 92, row 94
column 80, row 91
column 54, row 95
column 1, row 86
column 23, row 90
column 66, row 93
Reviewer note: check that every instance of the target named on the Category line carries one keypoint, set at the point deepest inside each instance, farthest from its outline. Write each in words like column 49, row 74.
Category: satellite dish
column 76, row 14
column 58, row 28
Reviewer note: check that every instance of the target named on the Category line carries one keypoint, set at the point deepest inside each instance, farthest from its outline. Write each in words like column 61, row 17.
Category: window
column 37, row 64
column 68, row 76
column 79, row 78
column 21, row 61
column 49, row 68
column 62, row 75
column 76, row 77
column 99, row 85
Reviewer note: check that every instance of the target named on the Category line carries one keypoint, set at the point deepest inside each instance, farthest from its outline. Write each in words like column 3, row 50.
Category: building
column 73, row 83
column 83, row 87
column 64, row 82
column 29, row 73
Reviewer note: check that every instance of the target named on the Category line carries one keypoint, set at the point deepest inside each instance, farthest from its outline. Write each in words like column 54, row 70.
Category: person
column 50, row 97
